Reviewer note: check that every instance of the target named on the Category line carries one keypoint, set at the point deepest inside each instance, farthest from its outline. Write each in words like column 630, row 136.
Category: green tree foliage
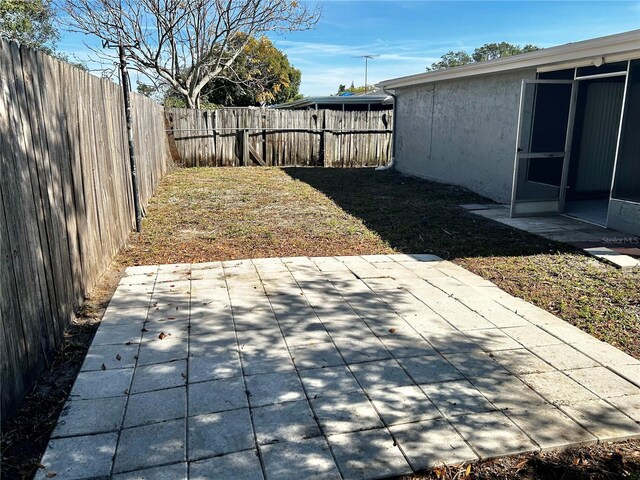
column 342, row 89
column 451, row 59
column 488, row 51
column 29, row 22
column 261, row 75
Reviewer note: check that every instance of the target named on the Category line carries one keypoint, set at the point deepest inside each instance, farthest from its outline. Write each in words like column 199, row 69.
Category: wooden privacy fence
column 65, row 199
column 253, row 136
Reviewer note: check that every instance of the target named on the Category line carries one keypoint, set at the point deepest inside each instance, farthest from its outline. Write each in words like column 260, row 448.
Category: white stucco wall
column 461, row 132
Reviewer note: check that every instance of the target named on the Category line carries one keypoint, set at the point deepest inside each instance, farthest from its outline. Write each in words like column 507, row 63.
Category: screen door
column 543, row 146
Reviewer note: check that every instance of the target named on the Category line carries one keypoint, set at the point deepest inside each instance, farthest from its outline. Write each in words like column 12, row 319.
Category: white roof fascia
column 622, row 46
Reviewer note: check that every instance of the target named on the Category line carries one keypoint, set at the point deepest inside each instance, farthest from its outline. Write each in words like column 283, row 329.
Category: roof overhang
column 622, row 46
column 337, row 100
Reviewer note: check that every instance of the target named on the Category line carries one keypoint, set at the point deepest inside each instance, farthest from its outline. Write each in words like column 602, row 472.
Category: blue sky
column 410, row 35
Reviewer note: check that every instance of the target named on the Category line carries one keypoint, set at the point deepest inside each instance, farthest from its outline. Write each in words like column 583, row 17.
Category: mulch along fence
column 254, row 136
column 65, row 199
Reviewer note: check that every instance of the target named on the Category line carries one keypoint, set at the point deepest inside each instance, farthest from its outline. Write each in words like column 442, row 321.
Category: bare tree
column 186, row 43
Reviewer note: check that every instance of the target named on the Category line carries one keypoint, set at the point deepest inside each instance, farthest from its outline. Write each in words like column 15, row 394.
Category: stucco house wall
column 461, row 131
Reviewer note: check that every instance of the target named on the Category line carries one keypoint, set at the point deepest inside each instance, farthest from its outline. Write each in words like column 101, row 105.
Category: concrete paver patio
column 333, row 367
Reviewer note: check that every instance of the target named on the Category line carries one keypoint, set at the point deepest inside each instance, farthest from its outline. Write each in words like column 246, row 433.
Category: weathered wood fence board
column 66, row 206
column 279, row 137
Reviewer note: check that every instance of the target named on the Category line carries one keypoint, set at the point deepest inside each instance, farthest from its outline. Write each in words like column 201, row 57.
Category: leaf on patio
column 392, row 330
column 51, row 474
column 103, row 367
column 118, row 357
column 144, row 330
column 163, row 335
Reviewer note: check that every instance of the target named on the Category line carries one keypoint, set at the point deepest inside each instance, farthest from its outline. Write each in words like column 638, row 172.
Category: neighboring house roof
column 375, row 98
column 621, row 46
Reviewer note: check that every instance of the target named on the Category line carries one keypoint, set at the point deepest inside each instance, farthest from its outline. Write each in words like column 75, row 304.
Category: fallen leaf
column 171, row 318
column 144, row 330
column 392, row 330
column 51, row 474
column 118, row 357
column 184, row 375
column 126, row 391
column 103, row 367
column 467, row 471
column 163, row 335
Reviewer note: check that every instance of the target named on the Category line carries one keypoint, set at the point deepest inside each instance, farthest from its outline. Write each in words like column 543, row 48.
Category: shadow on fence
column 65, row 200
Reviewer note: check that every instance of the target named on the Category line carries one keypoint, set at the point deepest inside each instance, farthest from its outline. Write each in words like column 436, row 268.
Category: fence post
column 245, row 147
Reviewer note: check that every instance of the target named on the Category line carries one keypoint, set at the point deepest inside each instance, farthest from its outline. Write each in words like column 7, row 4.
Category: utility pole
column 126, row 88
column 366, row 68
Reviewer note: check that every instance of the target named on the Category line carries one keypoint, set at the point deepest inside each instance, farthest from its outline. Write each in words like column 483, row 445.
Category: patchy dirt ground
column 213, row 214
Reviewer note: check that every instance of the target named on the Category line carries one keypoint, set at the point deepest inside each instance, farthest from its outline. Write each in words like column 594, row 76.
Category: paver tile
column 403, row 405
column 119, row 333
column 604, row 353
column 219, row 433
column 217, row 396
column 319, row 355
column 457, row 398
column 531, row 336
column 234, row 466
column 214, row 366
column 558, row 388
column 429, row 369
column 159, row 376
column 629, row 372
column 162, row 351
column 431, row 443
column 109, row 357
column 79, row 457
column 309, row 459
column 345, row 413
column 278, row 387
column 266, row 360
column 449, row 342
column 603, row 420
column 476, row 364
column 320, row 382
column 550, row 428
column 493, row 339
column 508, row 392
column 156, row 406
column 380, row 374
column 176, row 471
column 521, row 361
column 361, row 455
column 603, row 382
column 630, row 405
column 101, row 383
column 356, row 351
column 492, row 434
column 150, row 445
column 564, row 357
column 284, row 422
column 84, row 417
column 407, row 346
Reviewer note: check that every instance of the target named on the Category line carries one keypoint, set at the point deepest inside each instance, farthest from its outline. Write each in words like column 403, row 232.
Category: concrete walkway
column 345, row 367
column 618, row 249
